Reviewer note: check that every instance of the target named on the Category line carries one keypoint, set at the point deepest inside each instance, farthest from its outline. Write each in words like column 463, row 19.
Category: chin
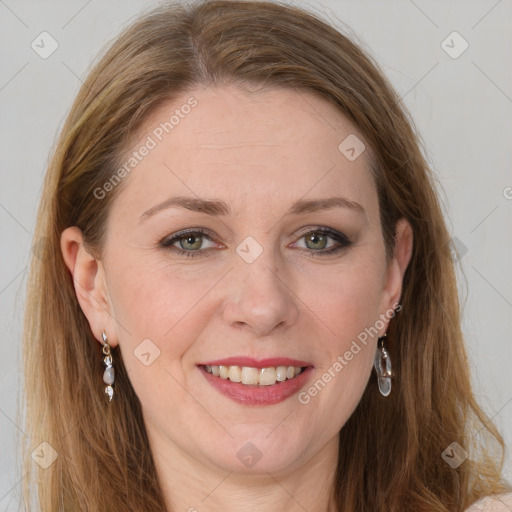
column 258, row 453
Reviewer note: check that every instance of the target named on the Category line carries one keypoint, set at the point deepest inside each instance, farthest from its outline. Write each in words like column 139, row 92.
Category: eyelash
column 343, row 241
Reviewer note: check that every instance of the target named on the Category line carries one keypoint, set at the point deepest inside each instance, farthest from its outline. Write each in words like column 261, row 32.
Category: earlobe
column 89, row 282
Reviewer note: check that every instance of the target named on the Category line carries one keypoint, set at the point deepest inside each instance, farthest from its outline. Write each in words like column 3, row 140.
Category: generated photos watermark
column 151, row 142
column 344, row 359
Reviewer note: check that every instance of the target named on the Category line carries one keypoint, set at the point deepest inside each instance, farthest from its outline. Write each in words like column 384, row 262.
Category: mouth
column 252, row 382
column 251, row 376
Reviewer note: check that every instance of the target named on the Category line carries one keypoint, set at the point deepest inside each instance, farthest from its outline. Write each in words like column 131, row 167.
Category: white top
column 498, row 503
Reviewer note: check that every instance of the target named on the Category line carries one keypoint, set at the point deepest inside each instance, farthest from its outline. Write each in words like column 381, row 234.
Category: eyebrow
column 217, row 207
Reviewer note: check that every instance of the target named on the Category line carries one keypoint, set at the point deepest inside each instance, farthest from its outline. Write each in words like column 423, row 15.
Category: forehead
column 258, row 147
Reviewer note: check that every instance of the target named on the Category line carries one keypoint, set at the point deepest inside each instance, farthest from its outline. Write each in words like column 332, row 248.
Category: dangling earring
column 109, row 373
column 382, row 365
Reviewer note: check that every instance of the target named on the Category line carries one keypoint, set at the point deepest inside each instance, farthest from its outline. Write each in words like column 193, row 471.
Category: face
column 269, row 274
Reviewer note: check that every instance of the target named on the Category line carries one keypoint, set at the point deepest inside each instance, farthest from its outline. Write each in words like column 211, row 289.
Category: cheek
column 141, row 306
column 348, row 300
column 158, row 316
column 345, row 364
column 152, row 301
column 349, row 311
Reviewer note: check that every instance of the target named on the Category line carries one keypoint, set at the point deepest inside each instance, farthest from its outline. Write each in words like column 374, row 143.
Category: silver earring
column 109, row 373
column 382, row 365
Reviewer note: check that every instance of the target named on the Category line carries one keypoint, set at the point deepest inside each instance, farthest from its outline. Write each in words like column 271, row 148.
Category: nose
column 261, row 298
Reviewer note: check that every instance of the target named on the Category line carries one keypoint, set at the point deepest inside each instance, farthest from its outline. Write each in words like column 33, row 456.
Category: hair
column 390, row 449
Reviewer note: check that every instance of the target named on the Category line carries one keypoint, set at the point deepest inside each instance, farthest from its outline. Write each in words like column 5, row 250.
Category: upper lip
column 257, row 363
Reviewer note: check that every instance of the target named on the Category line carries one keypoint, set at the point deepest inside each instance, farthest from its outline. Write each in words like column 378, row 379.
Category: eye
column 188, row 243
column 317, row 241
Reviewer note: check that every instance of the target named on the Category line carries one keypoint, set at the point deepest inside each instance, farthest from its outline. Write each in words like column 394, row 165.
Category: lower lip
column 258, row 395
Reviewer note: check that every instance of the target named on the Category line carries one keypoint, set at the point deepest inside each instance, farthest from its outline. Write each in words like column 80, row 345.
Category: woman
column 248, row 300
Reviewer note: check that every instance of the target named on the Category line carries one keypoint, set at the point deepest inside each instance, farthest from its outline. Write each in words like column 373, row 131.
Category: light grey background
column 462, row 107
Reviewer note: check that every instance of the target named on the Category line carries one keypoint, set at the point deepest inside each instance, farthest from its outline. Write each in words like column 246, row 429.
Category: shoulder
column 497, row 503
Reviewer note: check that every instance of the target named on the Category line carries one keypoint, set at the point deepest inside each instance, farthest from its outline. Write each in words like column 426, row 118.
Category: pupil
column 190, row 240
column 317, row 237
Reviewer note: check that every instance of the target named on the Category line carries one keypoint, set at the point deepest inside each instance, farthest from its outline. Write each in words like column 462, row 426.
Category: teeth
column 250, row 376
column 254, row 376
column 268, row 376
column 235, row 373
column 223, row 372
column 281, row 372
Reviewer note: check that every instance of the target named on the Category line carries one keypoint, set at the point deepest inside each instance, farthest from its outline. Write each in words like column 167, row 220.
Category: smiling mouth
column 250, row 376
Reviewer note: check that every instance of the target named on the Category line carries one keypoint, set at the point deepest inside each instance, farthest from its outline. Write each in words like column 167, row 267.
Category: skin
column 259, row 152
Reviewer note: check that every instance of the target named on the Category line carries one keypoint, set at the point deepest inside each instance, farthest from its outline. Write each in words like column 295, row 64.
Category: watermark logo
column 146, row 352
column 454, row 45
column 249, row 454
column 44, row 45
column 44, row 455
column 352, row 147
column 454, row 455
column 249, row 249
column 457, row 249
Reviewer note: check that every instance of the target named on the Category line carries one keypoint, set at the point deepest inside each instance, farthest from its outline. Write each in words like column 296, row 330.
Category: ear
column 398, row 265
column 88, row 275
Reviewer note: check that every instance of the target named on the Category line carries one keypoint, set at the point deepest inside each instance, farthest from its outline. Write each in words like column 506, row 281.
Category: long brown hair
column 390, row 450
